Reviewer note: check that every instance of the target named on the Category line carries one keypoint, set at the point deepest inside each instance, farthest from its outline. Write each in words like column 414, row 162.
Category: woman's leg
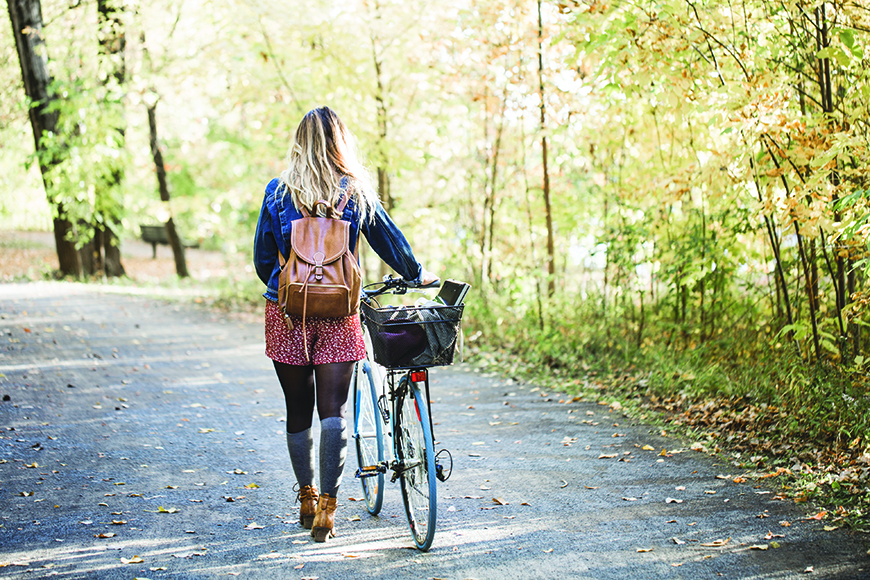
column 333, row 381
column 297, row 382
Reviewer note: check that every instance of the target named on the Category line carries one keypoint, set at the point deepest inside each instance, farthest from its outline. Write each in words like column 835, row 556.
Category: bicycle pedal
column 369, row 471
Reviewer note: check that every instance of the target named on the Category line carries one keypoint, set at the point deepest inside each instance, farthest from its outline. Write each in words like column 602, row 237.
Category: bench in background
column 157, row 235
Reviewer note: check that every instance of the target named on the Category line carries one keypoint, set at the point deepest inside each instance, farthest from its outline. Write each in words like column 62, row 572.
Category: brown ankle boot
column 307, row 497
column 324, row 519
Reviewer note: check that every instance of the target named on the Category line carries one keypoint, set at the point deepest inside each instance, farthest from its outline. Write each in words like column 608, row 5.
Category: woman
column 323, row 165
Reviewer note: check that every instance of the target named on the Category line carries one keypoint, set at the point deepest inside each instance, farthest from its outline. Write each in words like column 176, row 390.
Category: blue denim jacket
column 273, row 234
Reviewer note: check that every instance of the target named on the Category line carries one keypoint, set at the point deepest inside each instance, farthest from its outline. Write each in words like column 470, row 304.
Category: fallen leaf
column 818, row 516
column 564, row 484
column 606, row 456
column 162, row 510
column 499, row 501
column 830, row 528
column 105, row 535
column 642, row 550
column 354, row 519
column 648, row 448
column 716, row 543
column 133, row 560
column 252, row 486
column 589, row 487
column 629, row 499
column 351, row 555
column 809, row 570
column 759, row 547
column 254, row 526
column 548, row 551
column 672, row 500
column 678, row 541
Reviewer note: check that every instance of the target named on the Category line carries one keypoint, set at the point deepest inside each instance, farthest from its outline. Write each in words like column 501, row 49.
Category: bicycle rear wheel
column 416, row 456
column 368, row 436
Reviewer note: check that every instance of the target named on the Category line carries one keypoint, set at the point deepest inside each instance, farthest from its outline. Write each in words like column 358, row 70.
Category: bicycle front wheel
column 368, row 436
column 416, row 457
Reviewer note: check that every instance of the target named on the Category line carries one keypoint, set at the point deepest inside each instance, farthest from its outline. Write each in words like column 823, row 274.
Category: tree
column 27, row 28
column 163, row 188
column 112, row 53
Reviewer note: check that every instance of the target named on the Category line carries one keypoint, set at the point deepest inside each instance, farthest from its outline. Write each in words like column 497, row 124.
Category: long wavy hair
column 322, row 153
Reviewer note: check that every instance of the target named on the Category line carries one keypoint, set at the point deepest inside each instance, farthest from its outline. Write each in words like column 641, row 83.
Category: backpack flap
column 318, row 240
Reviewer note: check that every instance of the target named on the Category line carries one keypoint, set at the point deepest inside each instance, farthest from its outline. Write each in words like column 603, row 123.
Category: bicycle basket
column 413, row 336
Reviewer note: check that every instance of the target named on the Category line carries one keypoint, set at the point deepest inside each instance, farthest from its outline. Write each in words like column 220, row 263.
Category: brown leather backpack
column 321, row 276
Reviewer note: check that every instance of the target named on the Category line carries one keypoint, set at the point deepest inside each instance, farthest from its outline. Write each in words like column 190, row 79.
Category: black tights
column 298, row 383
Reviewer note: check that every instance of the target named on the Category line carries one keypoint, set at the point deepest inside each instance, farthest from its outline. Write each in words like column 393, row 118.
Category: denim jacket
column 273, row 234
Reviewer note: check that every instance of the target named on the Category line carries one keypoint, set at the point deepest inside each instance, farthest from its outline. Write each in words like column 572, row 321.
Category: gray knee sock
column 333, row 450
column 301, row 448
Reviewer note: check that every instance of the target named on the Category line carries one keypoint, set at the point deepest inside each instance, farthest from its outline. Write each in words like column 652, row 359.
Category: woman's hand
column 427, row 277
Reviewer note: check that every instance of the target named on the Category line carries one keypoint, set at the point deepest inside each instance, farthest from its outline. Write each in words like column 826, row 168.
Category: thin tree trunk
column 112, row 48
column 160, row 168
column 26, row 19
column 383, row 160
column 551, row 251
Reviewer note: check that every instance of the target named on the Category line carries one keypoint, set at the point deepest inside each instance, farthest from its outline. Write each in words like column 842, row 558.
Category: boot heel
column 307, row 522
column 324, row 518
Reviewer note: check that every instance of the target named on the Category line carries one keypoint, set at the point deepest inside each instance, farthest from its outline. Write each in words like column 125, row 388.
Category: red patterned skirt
column 329, row 340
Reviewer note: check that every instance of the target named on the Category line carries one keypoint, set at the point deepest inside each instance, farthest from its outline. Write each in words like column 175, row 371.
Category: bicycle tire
column 368, row 434
column 416, row 456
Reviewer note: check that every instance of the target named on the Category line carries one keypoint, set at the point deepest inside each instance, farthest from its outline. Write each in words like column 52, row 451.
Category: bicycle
column 391, row 392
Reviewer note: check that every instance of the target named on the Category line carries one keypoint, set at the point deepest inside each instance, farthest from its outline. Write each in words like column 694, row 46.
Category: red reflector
column 418, row 376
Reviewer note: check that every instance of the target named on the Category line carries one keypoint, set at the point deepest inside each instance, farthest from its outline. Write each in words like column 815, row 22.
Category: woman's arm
column 265, row 246
column 388, row 242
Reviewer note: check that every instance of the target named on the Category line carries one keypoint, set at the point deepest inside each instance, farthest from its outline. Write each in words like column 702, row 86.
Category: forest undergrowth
column 743, row 395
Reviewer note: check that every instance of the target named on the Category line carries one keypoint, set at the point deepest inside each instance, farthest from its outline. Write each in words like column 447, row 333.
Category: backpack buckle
column 318, row 265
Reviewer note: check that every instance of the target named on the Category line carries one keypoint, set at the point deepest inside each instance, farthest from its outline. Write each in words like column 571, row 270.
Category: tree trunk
column 551, row 252
column 163, row 186
column 383, row 161
column 112, row 48
column 26, row 19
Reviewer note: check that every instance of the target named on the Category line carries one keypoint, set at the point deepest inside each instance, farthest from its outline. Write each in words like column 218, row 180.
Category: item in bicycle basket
column 389, row 326
column 452, row 293
column 404, row 340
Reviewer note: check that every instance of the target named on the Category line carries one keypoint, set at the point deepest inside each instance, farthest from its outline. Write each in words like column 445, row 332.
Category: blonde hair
column 322, row 153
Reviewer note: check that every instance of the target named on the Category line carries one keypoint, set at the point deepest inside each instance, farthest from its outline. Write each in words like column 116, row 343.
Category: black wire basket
column 413, row 336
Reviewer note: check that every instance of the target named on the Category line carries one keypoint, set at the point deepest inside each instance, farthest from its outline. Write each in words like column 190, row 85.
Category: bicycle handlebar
column 391, row 285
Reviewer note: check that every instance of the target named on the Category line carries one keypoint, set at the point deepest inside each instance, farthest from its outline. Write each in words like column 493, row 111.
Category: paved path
column 144, row 439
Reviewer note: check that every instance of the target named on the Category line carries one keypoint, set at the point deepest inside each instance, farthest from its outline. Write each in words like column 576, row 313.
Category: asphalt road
column 141, row 438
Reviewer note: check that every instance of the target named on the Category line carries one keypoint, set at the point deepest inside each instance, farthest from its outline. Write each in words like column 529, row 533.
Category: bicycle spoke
column 417, row 465
column 368, row 436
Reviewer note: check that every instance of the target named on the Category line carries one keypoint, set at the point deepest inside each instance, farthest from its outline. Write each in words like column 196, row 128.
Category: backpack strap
column 282, row 298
